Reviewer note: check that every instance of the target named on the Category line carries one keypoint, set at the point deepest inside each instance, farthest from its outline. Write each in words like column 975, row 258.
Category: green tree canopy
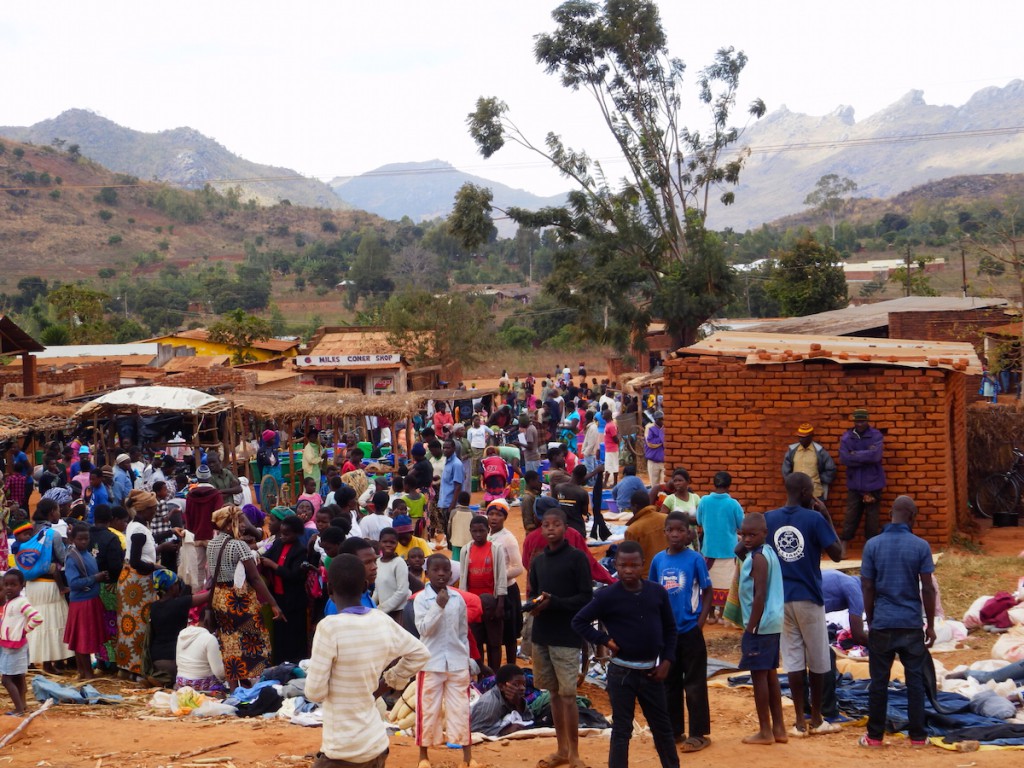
column 239, row 330
column 81, row 311
column 437, row 330
column 829, row 197
column 808, row 279
column 646, row 250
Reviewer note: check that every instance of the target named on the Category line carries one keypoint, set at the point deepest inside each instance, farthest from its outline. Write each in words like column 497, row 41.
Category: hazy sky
column 337, row 88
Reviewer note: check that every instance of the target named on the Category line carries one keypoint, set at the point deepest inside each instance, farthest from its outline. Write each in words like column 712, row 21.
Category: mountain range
column 182, row 157
column 904, row 145
column 426, row 190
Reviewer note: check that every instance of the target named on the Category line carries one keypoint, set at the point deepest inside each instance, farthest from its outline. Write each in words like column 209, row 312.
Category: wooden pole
column 242, row 435
column 197, row 452
column 291, row 457
column 229, row 435
column 334, row 437
column 24, row 724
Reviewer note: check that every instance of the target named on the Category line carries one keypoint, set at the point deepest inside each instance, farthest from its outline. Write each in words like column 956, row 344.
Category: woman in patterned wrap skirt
column 244, row 639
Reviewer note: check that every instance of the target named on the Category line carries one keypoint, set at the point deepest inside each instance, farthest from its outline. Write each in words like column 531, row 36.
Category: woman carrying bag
column 237, row 623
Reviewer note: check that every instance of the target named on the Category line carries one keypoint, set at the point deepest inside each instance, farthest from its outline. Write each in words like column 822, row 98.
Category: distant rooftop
column 101, row 350
column 868, row 317
column 201, row 334
column 768, row 348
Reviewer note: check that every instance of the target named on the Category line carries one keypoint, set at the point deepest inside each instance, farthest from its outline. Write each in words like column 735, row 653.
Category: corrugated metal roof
column 191, row 362
column 769, row 348
column 866, row 317
column 200, row 334
column 268, row 377
column 100, row 350
column 43, row 363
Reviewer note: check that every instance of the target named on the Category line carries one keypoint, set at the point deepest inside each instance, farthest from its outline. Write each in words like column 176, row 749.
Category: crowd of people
column 167, row 572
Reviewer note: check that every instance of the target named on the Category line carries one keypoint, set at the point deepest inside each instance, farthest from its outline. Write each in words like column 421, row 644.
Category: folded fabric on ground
column 243, row 695
column 1001, row 734
column 852, row 697
column 44, row 689
column 266, row 703
column 991, row 704
column 718, row 667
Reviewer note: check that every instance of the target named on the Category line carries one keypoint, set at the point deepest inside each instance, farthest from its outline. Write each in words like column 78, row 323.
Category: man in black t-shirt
column 574, row 500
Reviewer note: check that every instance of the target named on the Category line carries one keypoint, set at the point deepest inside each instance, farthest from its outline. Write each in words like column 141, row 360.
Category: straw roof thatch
column 339, row 404
column 22, row 417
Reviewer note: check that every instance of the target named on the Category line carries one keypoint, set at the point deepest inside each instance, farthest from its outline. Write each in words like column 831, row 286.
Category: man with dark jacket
column 860, row 450
column 898, row 588
column 810, row 457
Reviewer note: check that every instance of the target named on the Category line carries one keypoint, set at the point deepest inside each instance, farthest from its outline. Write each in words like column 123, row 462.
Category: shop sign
column 347, row 361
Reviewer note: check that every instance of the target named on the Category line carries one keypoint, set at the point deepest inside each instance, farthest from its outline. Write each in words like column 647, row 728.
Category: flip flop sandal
column 827, row 727
column 552, row 760
column 695, row 744
column 796, row 733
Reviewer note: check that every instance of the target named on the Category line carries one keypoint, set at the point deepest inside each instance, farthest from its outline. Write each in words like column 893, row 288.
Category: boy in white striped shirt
column 351, row 650
column 443, row 684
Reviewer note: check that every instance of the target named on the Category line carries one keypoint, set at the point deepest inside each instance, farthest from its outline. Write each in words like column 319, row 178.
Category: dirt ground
column 132, row 736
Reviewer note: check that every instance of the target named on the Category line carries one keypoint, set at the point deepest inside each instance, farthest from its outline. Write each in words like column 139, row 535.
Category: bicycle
column 1001, row 491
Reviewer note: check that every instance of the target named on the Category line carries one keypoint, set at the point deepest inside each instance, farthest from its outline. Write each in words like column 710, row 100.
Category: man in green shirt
column 222, row 479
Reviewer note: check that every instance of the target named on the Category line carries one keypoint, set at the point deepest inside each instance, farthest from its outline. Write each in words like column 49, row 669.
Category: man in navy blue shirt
column 895, row 579
column 799, row 532
column 641, row 635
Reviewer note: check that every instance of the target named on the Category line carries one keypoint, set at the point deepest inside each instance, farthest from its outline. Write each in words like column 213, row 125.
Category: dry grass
column 991, row 432
column 963, row 578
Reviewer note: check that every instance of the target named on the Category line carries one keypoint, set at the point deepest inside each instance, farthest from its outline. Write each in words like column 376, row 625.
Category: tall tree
column 82, row 312
column 830, row 197
column 807, row 279
column 646, row 250
column 437, row 330
column 238, row 329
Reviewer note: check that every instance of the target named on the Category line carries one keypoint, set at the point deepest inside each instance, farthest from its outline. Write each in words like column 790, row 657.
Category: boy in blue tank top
column 761, row 602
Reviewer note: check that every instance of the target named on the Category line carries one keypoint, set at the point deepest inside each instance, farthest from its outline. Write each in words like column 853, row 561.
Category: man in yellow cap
column 809, row 457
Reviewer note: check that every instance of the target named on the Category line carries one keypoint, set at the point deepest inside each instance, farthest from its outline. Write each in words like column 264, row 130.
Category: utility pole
column 906, row 279
column 963, row 267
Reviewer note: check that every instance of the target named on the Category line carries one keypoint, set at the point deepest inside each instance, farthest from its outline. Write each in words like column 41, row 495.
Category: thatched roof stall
column 195, row 406
column 338, row 411
column 20, row 418
column 343, row 404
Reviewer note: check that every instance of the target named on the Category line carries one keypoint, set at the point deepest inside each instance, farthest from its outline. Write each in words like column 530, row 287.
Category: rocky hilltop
column 182, row 157
column 907, row 144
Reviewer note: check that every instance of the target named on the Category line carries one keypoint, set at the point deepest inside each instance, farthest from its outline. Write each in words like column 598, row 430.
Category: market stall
column 200, row 416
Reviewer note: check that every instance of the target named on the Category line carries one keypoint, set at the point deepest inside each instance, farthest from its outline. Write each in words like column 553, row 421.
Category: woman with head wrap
column 46, row 643
column 168, row 617
column 62, row 498
column 239, row 627
column 135, row 590
column 267, row 460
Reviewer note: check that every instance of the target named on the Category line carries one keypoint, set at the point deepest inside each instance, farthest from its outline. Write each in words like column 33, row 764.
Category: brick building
column 735, row 400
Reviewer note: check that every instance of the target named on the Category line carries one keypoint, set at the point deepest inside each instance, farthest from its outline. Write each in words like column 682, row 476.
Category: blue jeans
column 1014, row 671
column 884, row 645
column 625, row 688
column 590, row 462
